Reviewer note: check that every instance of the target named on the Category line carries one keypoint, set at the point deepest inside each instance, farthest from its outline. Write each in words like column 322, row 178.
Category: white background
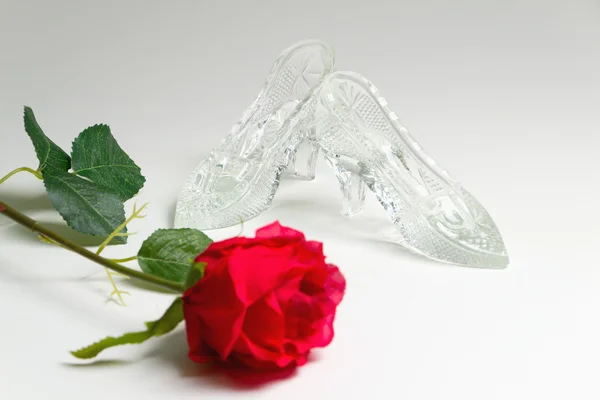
column 503, row 94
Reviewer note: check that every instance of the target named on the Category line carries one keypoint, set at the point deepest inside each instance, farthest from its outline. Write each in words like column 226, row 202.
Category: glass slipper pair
column 305, row 107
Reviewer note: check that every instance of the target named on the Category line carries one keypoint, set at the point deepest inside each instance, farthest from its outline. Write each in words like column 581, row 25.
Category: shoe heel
column 351, row 184
column 304, row 162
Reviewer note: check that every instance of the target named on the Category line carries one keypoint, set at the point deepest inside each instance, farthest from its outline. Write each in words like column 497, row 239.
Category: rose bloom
column 263, row 302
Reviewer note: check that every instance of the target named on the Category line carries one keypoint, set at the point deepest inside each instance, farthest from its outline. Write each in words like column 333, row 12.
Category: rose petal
column 193, row 327
column 258, row 270
column 264, row 323
column 335, row 285
column 309, row 320
column 258, row 357
column 219, row 250
column 307, row 258
column 213, row 262
column 298, row 349
column 203, row 354
column 277, row 230
column 264, row 302
column 315, row 247
column 287, row 290
column 214, row 302
column 223, row 328
column 323, row 332
column 313, row 282
column 299, row 316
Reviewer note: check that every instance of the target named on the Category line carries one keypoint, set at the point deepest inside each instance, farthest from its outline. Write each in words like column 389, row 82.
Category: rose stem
column 35, row 226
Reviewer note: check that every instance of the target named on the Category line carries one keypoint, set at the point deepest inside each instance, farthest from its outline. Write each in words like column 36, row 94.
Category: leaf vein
column 84, row 199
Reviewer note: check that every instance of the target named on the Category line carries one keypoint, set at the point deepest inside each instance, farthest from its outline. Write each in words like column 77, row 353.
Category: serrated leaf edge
column 135, row 166
column 160, row 231
column 87, row 352
column 150, row 332
column 49, row 143
column 120, row 239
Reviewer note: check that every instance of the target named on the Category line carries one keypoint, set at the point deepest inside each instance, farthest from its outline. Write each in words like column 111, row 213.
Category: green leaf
column 97, row 156
column 48, row 153
column 169, row 253
column 84, row 205
column 170, row 319
column 196, row 273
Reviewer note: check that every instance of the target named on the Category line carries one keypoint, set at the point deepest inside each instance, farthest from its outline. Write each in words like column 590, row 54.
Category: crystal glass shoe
column 239, row 178
column 367, row 147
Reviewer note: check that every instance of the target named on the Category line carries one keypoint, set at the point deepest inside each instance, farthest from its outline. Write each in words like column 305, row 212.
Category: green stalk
column 22, row 169
column 35, row 226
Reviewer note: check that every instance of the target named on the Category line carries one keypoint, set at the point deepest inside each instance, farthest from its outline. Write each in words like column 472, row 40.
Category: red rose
column 264, row 302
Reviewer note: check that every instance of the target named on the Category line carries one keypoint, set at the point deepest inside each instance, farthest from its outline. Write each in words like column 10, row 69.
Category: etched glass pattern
column 240, row 177
column 367, row 147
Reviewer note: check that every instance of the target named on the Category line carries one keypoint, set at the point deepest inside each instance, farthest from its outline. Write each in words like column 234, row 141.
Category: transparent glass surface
column 367, row 147
column 240, row 177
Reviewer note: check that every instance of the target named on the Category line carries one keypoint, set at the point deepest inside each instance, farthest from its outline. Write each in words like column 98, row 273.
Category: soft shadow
column 307, row 214
column 172, row 349
column 134, row 283
column 63, row 230
column 97, row 364
column 394, row 249
column 371, row 227
column 313, row 357
column 19, row 275
column 244, row 379
column 171, row 213
column 26, row 203
column 138, row 284
column 43, row 279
